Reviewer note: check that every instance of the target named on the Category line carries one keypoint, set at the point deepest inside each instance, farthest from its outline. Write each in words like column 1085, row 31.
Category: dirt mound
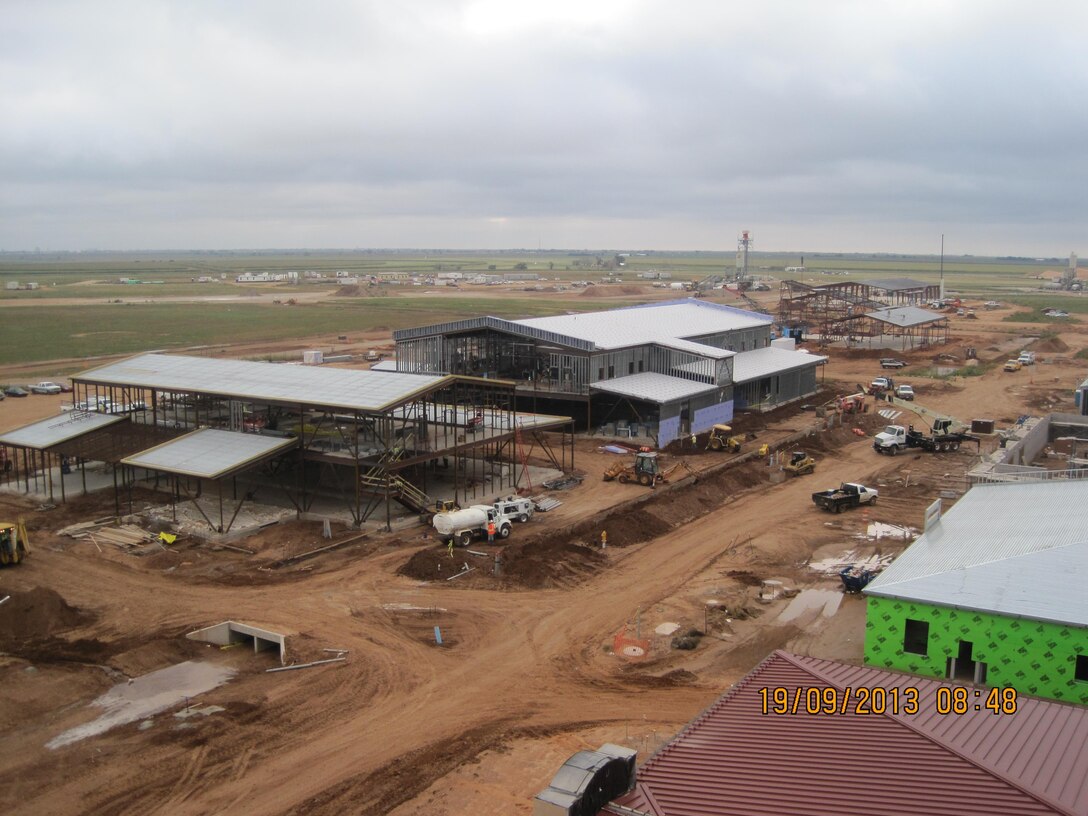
column 1050, row 344
column 591, row 291
column 37, row 613
column 347, row 291
column 532, row 564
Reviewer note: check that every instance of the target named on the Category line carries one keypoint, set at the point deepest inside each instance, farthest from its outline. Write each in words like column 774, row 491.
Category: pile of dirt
column 37, row 613
column 1051, row 344
column 549, row 564
column 347, row 291
column 530, row 563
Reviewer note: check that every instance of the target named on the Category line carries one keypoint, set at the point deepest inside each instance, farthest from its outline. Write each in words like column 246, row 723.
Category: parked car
column 45, row 387
column 16, row 391
column 892, row 362
column 1012, row 365
column 904, row 392
column 1026, row 358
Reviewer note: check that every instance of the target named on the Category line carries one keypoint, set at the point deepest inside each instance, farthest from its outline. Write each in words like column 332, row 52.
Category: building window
column 600, row 373
column 640, row 366
column 916, row 637
column 611, row 372
column 631, row 367
column 1080, row 671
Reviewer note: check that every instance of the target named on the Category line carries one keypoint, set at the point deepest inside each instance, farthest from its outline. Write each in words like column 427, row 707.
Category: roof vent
column 587, row 782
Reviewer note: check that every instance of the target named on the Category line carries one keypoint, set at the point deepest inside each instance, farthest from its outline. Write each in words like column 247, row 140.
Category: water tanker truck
column 461, row 526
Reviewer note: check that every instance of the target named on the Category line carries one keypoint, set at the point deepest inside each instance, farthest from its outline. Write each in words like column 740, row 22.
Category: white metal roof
column 765, row 362
column 340, row 388
column 904, row 316
column 712, row 352
column 1011, row 549
column 653, row 387
column 638, row 325
column 209, row 453
column 894, row 284
column 46, row 433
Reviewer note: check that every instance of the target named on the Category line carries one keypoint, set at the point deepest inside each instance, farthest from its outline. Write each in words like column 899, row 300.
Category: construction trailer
column 366, row 440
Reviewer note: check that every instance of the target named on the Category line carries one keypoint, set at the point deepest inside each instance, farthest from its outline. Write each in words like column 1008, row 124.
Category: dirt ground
column 527, row 672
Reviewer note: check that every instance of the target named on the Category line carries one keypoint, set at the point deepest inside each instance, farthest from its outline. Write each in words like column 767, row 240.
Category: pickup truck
column 846, row 495
column 892, row 362
column 45, row 388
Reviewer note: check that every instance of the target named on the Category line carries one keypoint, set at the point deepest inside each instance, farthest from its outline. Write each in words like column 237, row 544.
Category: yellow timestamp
column 878, row 700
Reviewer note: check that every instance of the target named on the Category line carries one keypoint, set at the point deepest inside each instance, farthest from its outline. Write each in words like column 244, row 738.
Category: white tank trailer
column 461, row 526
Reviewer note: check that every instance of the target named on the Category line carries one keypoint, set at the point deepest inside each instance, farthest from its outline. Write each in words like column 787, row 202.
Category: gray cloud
column 832, row 126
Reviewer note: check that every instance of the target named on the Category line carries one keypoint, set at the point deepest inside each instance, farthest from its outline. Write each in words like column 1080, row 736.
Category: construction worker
column 604, row 539
column 491, row 531
column 450, row 548
column 694, row 440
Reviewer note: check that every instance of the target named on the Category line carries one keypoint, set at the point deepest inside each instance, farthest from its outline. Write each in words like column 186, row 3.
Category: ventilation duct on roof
column 587, row 782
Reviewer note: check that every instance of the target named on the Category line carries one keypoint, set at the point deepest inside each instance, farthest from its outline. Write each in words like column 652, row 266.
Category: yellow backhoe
column 646, row 470
column 14, row 544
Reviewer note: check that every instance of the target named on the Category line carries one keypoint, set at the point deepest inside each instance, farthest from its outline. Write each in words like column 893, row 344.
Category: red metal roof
column 734, row 760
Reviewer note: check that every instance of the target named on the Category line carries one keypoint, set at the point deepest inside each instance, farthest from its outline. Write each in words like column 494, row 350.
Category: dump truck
column 799, row 464
column 896, row 438
column 843, row 497
column 462, row 526
column 14, row 544
column 721, row 438
column 646, row 470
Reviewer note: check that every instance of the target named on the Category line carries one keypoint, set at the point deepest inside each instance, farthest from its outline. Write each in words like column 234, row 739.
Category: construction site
column 211, row 619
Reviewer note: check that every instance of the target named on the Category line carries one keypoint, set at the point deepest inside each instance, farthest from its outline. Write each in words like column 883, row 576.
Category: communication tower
column 744, row 243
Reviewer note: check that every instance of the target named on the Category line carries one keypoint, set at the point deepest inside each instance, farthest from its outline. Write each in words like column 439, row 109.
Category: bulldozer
column 799, row 464
column 646, row 470
column 14, row 544
column 721, row 439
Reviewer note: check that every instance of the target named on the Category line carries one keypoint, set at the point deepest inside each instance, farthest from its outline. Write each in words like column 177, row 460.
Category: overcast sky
column 819, row 126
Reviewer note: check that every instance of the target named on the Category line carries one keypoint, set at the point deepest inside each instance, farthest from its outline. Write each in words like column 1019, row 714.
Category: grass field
column 57, row 332
column 98, row 326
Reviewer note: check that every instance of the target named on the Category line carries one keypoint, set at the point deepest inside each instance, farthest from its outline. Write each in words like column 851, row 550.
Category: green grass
column 94, row 330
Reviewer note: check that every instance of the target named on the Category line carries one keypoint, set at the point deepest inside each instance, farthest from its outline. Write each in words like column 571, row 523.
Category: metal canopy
column 906, row 316
column 766, row 362
column 209, row 453
column 339, row 388
column 653, row 387
column 47, row 433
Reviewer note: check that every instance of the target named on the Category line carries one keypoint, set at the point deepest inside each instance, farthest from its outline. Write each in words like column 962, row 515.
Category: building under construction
column 878, row 313
column 231, row 430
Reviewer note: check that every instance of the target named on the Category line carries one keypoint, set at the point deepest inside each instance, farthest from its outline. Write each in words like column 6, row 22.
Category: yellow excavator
column 14, row 544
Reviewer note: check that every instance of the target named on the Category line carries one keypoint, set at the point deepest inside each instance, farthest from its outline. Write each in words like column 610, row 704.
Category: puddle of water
column 131, row 701
column 812, row 603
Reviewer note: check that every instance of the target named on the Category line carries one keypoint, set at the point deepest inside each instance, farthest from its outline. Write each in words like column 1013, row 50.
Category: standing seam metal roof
column 45, row 433
column 905, row 316
column 764, row 362
column 209, row 453
column 340, row 388
column 734, row 759
column 998, row 550
column 647, row 323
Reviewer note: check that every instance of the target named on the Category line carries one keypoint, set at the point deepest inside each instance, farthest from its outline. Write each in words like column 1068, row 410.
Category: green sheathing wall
column 1033, row 657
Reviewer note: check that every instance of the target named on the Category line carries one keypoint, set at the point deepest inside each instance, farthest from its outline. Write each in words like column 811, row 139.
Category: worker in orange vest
column 491, row 531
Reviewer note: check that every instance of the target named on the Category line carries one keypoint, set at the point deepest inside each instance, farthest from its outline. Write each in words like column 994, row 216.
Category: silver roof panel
column 209, row 453
column 46, row 433
column 340, row 388
column 654, row 387
column 1010, row 549
column 766, row 362
column 653, row 322
column 904, row 316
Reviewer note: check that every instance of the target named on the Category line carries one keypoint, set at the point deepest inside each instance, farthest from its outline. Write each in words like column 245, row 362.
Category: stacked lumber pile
column 127, row 537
